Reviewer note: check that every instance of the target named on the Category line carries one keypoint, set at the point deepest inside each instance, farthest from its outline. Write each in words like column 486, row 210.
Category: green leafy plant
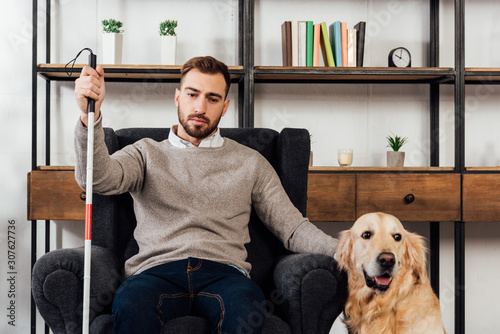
column 395, row 142
column 167, row 28
column 112, row 26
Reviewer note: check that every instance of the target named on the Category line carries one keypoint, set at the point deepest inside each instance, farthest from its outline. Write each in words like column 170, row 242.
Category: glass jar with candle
column 345, row 157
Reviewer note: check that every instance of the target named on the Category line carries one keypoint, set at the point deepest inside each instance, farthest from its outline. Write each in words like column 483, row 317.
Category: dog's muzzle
column 382, row 282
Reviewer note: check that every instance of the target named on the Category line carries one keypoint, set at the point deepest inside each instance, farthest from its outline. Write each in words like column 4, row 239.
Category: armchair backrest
column 288, row 151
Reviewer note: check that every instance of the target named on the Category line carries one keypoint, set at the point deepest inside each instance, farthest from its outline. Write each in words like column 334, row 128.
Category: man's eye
column 366, row 235
column 214, row 100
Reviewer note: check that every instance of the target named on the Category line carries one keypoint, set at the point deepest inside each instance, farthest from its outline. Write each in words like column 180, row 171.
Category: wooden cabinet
column 481, row 197
column 331, row 197
column 408, row 196
column 53, row 194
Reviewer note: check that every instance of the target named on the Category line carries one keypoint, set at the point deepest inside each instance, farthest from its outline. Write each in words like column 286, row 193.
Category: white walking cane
column 88, row 192
column 88, row 205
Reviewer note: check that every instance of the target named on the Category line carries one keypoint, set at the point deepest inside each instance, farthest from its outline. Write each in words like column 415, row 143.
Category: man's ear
column 176, row 98
column 226, row 105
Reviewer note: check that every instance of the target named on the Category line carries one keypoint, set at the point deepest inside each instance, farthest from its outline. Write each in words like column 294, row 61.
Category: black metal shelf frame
column 447, row 77
column 459, row 237
column 457, row 76
column 34, row 146
column 249, row 76
column 243, row 78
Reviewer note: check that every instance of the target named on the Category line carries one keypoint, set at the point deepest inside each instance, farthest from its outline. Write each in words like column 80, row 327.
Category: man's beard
column 199, row 131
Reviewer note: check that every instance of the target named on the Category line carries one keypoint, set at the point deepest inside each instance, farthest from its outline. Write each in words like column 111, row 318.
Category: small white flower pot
column 112, row 46
column 168, row 49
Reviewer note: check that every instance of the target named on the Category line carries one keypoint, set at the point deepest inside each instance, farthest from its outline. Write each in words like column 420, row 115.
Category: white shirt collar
column 214, row 140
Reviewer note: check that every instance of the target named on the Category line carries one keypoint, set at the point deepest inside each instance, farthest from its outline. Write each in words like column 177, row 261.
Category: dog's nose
column 386, row 260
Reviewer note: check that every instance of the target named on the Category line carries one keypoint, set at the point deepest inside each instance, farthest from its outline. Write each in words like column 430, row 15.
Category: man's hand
column 90, row 84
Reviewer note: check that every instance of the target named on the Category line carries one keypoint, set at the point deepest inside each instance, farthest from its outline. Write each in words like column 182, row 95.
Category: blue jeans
column 231, row 302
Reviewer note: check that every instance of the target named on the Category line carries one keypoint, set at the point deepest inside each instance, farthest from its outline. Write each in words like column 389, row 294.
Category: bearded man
column 193, row 194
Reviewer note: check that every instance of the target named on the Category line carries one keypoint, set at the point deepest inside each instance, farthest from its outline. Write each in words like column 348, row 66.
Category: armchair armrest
column 314, row 291
column 57, row 286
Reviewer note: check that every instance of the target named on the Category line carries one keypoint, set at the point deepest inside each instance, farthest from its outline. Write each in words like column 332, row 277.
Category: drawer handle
column 409, row 199
column 83, row 196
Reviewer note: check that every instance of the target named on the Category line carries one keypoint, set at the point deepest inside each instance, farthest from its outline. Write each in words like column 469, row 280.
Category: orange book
column 343, row 29
column 317, row 33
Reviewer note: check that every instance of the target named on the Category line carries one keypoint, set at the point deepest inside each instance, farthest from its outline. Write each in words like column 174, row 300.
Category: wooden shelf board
column 483, row 75
column 335, row 168
column 57, row 168
column 125, row 72
column 482, row 169
column 482, row 69
column 354, row 74
column 355, row 169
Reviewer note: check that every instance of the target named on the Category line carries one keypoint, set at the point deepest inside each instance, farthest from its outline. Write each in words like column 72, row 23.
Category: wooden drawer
column 54, row 195
column 481, row 197
column 436, row 197
column 331, row 197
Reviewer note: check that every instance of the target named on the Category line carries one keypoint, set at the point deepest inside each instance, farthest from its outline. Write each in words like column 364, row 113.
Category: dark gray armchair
column 305, row 292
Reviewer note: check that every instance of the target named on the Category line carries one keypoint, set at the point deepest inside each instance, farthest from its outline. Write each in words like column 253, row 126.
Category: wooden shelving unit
column 247, row 76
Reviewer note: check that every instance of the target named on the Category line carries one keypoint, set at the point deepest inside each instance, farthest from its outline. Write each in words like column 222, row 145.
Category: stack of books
column 303, row 41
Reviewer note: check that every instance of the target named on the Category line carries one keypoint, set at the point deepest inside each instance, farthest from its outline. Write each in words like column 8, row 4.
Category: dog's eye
column 397, row 237
column 366, row 235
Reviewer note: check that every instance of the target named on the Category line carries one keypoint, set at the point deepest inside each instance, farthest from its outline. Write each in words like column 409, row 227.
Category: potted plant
column 112, row 41
column 168, row 41
column 395, row 158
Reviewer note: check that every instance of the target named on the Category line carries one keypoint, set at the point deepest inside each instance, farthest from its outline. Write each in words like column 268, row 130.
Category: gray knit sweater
column 196, row 202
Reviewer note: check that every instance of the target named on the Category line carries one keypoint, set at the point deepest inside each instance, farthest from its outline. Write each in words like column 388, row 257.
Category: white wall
column 358, row 116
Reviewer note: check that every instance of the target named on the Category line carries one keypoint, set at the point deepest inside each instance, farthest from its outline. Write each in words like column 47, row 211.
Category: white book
column 295, row 43
column 351, row 47
column 302, row 43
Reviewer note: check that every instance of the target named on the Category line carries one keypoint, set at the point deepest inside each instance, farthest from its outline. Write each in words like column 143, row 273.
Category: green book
column 326, row 49
column 309, row 43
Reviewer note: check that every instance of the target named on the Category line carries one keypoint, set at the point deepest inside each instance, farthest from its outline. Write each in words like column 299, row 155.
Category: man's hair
column 207, row 65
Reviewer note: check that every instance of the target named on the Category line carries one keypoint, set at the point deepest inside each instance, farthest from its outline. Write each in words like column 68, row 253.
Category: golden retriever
column 389, row 291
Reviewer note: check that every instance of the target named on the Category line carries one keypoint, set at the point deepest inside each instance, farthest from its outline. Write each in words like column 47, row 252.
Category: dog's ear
column 344, row 249
column 416, row 253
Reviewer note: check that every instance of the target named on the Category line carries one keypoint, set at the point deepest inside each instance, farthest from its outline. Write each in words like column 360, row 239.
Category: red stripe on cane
column 88, row 222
